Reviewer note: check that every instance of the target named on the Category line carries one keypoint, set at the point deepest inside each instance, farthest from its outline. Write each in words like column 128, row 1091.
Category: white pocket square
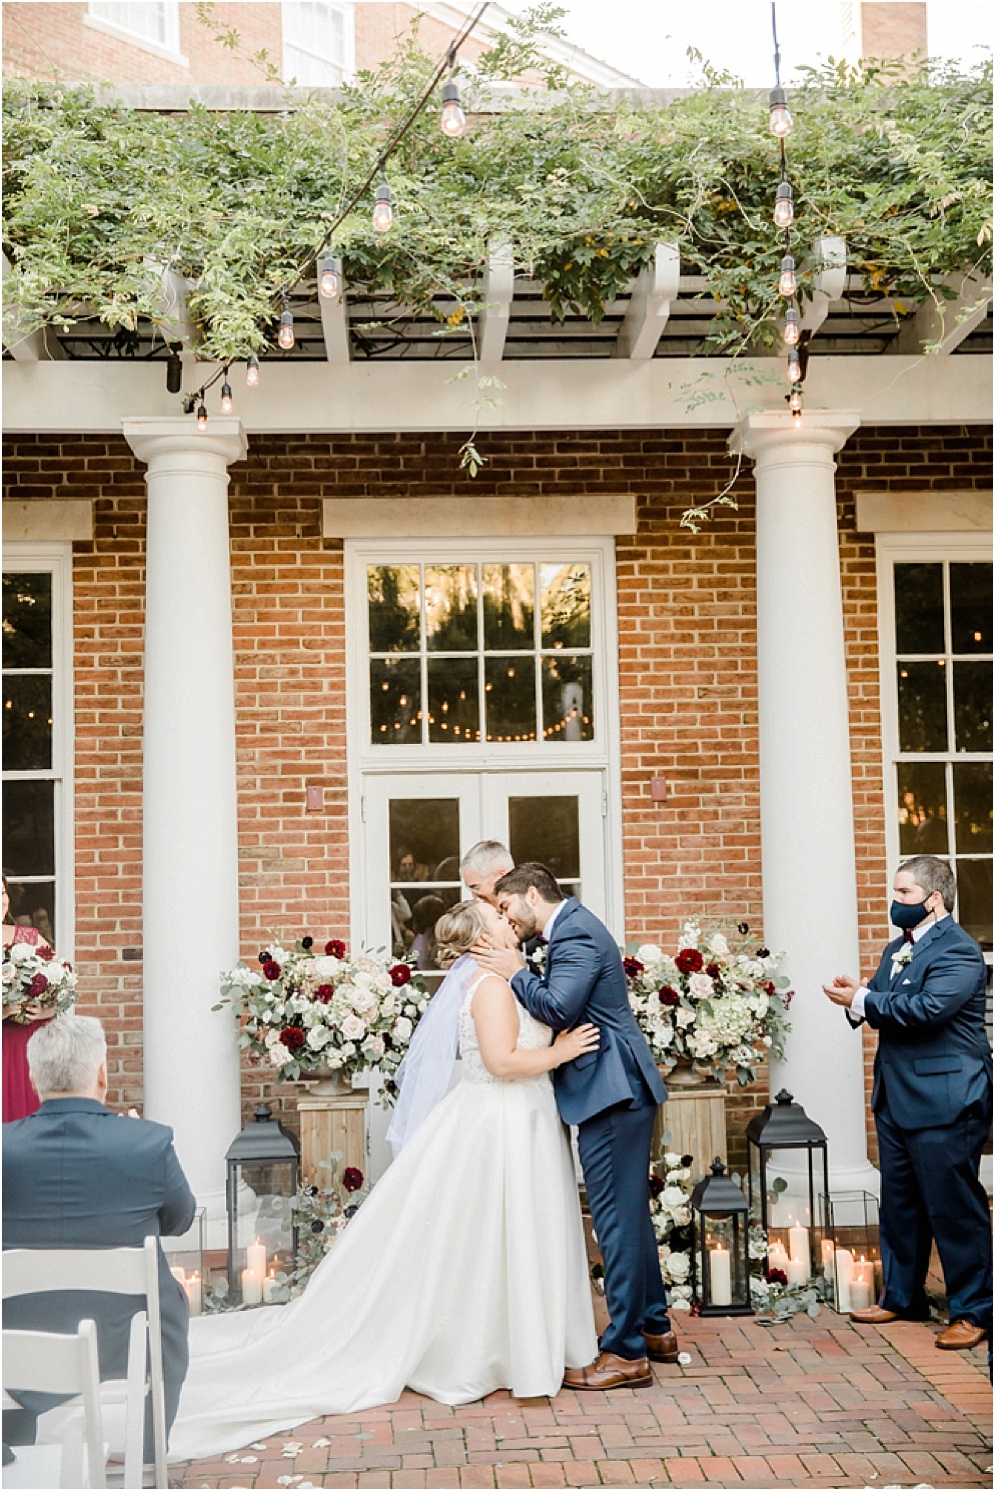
column 906, row 981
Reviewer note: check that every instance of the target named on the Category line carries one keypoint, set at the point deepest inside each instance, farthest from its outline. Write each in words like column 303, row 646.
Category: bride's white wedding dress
column 464, row 1271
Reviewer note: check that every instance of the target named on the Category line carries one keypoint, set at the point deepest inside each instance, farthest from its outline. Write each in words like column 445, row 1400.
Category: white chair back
column 43, row 1362
column 110, row 1271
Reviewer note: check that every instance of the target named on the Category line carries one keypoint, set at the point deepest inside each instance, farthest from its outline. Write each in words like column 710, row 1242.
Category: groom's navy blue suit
column 612, row 1094
column 932, row 1102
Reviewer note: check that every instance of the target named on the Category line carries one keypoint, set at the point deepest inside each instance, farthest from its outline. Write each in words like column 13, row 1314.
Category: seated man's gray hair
column 487, row 855
column 65, row 1055
column 932, row 874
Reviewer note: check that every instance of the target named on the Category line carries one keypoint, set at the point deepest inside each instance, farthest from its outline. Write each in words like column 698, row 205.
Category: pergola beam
column 499, row 290
column 335, row 325
column 656, row 287
column 830, row 282
column 941, row 325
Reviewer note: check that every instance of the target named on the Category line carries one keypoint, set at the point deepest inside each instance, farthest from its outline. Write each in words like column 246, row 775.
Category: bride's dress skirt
column 464, row 1271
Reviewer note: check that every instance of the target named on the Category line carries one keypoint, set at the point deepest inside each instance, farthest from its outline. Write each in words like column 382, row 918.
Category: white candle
column 179, row 1274
column 797, row 1271
column 255, row 1258
column 861, row 1286
column 844, row 1273
column 777, row 1256
column 252, row 1287
column 195, row 1293
column 270, row 1287
column 798, row 1244
column 827, row 1254
column 719, row 1276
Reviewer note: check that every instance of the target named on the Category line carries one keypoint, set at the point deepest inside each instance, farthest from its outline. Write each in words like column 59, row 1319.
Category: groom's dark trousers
column 612, row 1095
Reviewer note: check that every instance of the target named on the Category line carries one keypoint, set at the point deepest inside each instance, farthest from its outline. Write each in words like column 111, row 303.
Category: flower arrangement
column 306, row 1011
column 671, row 1183
column 718, row 1002
column 36, row 982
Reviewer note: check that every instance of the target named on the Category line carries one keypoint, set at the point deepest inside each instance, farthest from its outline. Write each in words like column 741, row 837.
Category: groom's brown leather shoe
column 609, row 1371
column 661, row 1348
column 874, row 1315
column 960, row 1335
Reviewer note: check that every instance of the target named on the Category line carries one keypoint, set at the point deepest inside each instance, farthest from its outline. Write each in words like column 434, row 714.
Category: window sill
column 169, row 54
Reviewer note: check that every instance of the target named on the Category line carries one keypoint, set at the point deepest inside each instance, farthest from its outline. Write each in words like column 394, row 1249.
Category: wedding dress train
column 464, row 1271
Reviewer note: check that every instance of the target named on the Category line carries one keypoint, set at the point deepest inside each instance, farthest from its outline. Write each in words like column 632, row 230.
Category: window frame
column 348, row 63
column 170, row 48
column 915, row 548
column 56, row 558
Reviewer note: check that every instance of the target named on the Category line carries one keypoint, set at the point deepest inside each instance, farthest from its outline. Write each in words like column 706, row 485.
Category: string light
column 252, row 371
column 795, row 401
column 453, row 121
column 174, row 372
column 780, row 119
column 227, row 402
column 794, row 366
column 202, row 416
column 787, row 284
column 792, row 329
column 383, row 208
column 331, row 276
column 784, row 206
column 285, row 336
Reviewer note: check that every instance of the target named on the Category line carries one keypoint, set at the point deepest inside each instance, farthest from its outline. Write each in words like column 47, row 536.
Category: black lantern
column 785, row 1208
column 720, row 1245
column 263, row 1165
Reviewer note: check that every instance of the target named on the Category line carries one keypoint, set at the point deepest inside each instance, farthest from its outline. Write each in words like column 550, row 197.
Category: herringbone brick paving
column 810, row 1403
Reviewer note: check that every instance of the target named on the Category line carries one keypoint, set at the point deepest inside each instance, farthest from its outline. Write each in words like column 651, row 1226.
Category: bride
column 465, row 1270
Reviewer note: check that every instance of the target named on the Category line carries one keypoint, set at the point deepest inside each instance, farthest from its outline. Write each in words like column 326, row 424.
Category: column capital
column 772, row 435
column 162, row 440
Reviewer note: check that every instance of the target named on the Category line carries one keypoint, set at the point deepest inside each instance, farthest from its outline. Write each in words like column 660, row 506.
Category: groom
column 612, row 1095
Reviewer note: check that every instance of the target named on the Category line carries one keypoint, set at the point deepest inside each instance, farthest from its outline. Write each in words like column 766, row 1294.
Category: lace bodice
column 532, row 1036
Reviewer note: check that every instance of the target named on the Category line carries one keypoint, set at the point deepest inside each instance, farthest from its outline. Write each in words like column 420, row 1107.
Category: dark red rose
column 743, row 928
column 763, row 952
column 695, row 1308
column 271, row 970
column 292, row 1038
column 633, row 967
column 263, row 956
column 713, row 970
column 335, row 948
column 689, row 960
column 38, row 985
column 400, row 975
column 352, row 1178
column 669, row 996
column 657, row 1184
column 324, row 992
column 686, row 1160
column 776, row 1276
column 307, row 943
column 768, row 988
column 45, row 953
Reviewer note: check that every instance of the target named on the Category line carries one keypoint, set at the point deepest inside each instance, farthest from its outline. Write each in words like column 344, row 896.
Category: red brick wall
column 687, row 672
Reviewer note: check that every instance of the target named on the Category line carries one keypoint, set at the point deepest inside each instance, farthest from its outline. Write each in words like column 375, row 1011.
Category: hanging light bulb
column 794, row 366
column 227, row 402
column 792, row 330
column 285, row 336
column 795, row 400
column 780, row 119
column 252, row 371
column 383, row 211
column 174, row 373
column 787, row 284
column 784, row 207
column 202, row 416
column 796, row 415
column 453, row 119
column 330, row 277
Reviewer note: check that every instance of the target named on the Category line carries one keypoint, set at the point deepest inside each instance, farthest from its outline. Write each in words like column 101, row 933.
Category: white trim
column 44, row 518
column 170, row 50
column 966, row 511
column 57, row 559
column 481, row 517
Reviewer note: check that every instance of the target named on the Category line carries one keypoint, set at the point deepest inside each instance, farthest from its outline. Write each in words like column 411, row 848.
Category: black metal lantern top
column 717, row 1195
column 784, row 1124
column 263, row 1141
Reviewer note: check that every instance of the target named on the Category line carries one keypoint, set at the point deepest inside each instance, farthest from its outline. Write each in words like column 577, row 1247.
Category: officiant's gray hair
column 487, row 855
column 65, row 1055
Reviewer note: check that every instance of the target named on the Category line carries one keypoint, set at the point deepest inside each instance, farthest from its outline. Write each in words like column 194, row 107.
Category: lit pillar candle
column 797, row 1271
column 798, row 1244
column 255, row 1258
column 270, row 1287
column 252, row 1287
column 844, row 1273
column 827, row 1255
column 777, row 1256
column 861, row 1285
column 719, row 1276
column 195, row 1293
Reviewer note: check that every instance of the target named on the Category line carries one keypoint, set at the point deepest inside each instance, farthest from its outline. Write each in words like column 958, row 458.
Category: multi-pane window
column 461, row 654
column 943, row 757
column 315, row 43
column 157, row 23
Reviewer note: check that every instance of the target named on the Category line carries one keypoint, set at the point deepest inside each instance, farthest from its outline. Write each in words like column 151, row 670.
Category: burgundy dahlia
column 335, row 948
column 45, row 953
column 400, row 975
column 776, row 1276
column 633, row 967
column 689, row 960
column 669, row 996
column 324, row 992
column 292, row 1038
column 271, row 969
column 352, row 1178
column 713, row 970
column 38, row 985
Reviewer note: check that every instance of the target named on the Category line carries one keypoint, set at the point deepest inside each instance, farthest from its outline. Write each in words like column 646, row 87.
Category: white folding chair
column 111, row 1271
column 43, row 1362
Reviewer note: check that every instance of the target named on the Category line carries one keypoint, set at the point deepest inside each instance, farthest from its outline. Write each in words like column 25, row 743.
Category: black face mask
column 903, row 916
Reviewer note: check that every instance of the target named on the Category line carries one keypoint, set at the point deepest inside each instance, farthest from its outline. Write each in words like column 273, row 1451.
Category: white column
column 806, row 796
column 190, row 830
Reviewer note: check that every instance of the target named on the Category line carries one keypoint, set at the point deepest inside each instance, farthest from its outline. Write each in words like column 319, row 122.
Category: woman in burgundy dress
column 19, row 1097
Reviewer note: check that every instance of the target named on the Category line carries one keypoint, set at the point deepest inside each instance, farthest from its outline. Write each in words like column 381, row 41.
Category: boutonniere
column 903, row 957
column 538, row 957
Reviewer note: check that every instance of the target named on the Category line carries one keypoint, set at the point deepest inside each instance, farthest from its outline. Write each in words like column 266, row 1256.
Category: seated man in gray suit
column 78, row 1176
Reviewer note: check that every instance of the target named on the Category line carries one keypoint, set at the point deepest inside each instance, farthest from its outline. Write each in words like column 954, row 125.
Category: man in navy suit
column 932, row 1101
column 612, row 1095
column 76, row 1175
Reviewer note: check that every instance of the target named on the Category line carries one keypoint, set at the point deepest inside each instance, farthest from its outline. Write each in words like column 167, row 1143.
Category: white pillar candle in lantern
column 827, row 1255
column 797, row 1271
column 252, row 1287
column 844, row 1273
column 799, row 1247
column 719, row 1276
column 255, row 1258
column 862, row 1285
column 270, row 1288
column 777, row 1255
column 195, row 1293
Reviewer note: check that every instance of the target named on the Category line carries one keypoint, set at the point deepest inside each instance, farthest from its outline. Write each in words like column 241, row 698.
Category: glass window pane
column 922, row 808
column 27, row 721
column 567, row 698
column 394, row 592
column 424, row 834
column 453, row 700
column 145, row 18
column 974, row 899
column 922, row 706
column 29, row 828
column 973, row 706
column 33, row 905
column 451, row 608
column 27, row 621
column 510, row 698
column 546, row 829
column 973, row 807
column 971, row 607
column 395, row 701
column 566, row 605
column 509, row 606
column 919, row 608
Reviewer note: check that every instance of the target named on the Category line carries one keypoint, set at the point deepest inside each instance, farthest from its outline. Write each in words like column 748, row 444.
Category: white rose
column 684, row 1018
column 719, row 946
column 363, row 999
column 374, row 1046
column 648, row 952
column 672, row 1196
column 353, row 1027
column 279, row 1055
column 678, row 1267
column 318, row 1038
column 403, row 1028
column 333, row 1059
column 323, row 969
column 348, row 1049
column 671, row 1160
column 388, row 1005
column 700, row 985
column 20, row 952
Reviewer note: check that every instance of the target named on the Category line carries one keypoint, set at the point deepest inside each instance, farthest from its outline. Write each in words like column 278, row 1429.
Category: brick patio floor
column 808, row 1403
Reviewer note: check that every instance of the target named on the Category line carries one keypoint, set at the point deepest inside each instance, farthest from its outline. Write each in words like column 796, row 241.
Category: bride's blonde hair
column 457, row 931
